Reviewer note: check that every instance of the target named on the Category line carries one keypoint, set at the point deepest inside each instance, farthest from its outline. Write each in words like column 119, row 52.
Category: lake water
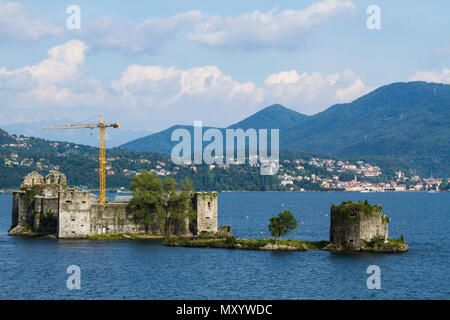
column 36, row 269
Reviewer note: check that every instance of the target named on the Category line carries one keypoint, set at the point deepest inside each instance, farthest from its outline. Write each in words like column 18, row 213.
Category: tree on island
column 147, row 204
column 161, row 202
column 444, row 186
column 282, row 224
column 178, row 202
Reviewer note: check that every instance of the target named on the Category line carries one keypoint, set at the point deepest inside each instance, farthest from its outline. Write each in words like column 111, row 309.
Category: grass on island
column 232, row 242
column 122, row 236
column 378, row 244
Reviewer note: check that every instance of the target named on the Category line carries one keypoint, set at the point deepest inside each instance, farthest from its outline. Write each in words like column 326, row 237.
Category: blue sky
column 152, row 64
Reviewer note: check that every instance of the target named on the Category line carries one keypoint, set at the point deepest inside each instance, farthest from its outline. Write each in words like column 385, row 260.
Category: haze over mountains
column 409, row 121
column 114, row 138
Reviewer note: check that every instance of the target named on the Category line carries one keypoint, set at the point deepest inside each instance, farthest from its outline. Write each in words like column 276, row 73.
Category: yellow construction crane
column 102, row 126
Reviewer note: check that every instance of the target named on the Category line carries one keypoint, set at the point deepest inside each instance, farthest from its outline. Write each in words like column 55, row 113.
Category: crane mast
column 102, row 159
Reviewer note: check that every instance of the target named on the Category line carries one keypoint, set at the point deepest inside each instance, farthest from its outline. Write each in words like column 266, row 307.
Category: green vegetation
column 349, row 211
column 80, row 164
column 29, row 198
column 282, row 224
column 444, row 186
column 147, row 204
column 161, row 202
column 400, row 126
column 380, row 245
column 121, row 236
column 397, row 242
column 245, row 244
column 405, row 121
column 273, row 117
column 48, row 222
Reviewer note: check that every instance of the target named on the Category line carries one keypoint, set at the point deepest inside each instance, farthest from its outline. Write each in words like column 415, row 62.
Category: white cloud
column 57, row 80
column 348, row 94
column 442, row 76
column 313, row 92
column 63, row 63
column 207, row 91
column 283, row 77
column 352, row 87
column 186, row 94
column 154, row 97
column 153, row 33
column 285, row 29
column 17, row 24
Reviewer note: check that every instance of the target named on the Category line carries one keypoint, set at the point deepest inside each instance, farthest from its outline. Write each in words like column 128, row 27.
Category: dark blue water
column 36, row 269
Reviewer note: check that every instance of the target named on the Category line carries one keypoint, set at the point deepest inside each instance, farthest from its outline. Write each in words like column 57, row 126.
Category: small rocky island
column 47, row 207
column 355, row 226
column 360, row 226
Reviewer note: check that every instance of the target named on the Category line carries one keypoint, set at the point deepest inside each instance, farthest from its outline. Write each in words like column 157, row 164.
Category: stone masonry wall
column 344, row 233
column 17, row 208
column 42, row 206
column 207, row 206
column 112, row 218
column 351, row 233
column 29, row 213
column 74, row 214
column 373, row 226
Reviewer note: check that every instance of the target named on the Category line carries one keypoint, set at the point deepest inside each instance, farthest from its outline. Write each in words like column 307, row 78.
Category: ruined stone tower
column 206, row 205
column 353, row 223
column 35, row 204
column 74, row 213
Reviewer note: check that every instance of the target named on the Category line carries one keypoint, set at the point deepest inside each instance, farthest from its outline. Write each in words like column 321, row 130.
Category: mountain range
column 273, row 117
column 407, row 121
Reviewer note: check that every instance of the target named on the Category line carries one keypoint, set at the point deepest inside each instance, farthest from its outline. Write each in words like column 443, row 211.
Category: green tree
column 184, row 207
column 282, row 224
column 147, row 204
column 171, row 199
column 444, row 186
column 178, row 203
column 162, row 202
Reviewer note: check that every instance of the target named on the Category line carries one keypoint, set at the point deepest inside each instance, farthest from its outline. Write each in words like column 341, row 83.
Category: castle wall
column 37, row 204
column 79, row 218
column 42, row 206
column 21, row 209
column 16, row 208
column 73, row 214
column 207, row 207
column 373, row 226
column 76, row 216
column 344, row 233
column 113, row 218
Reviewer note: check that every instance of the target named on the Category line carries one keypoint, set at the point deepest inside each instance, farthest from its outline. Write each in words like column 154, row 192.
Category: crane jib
column 102, row 126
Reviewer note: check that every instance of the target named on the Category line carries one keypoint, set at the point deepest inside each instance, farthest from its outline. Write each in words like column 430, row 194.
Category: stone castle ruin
column 48, row 206
column 353, row 224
